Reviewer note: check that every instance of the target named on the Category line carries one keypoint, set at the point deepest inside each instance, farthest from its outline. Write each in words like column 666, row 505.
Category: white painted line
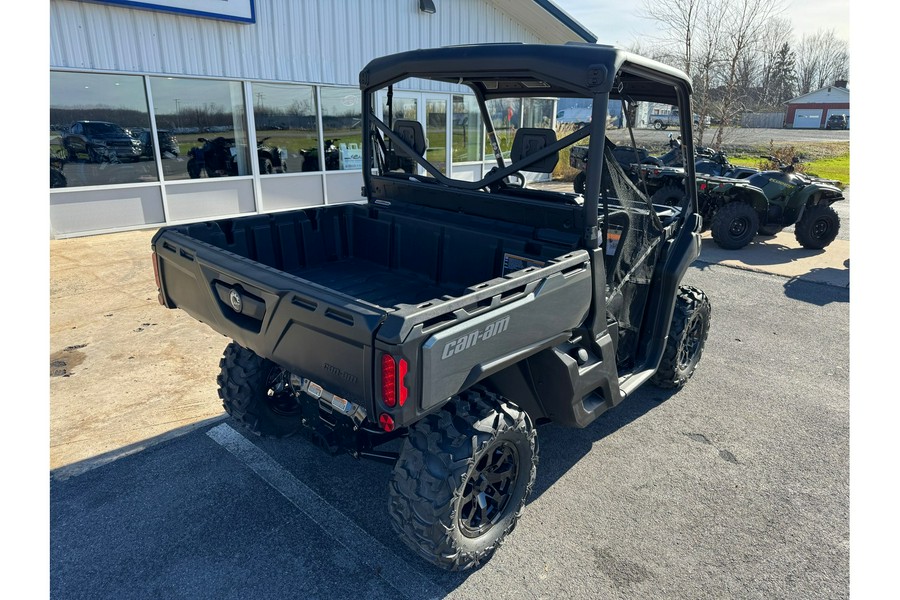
column 404, row 578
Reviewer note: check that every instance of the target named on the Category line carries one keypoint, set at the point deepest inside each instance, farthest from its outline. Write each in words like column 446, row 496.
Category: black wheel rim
column 487, row 491
column 691, row 345
column 821, row 228
column 280, row 394
column 739, row 228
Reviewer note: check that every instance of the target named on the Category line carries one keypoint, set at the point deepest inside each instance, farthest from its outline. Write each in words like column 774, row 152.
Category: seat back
column 531, row 140
column 413, row 134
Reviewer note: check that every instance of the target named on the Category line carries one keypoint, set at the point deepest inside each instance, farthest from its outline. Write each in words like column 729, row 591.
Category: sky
column 618, row 23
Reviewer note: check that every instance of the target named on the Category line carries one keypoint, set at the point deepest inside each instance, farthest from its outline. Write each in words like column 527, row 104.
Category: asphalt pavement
column 735, row 487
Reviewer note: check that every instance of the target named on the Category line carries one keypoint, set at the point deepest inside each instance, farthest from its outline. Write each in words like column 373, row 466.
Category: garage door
column 808, row 118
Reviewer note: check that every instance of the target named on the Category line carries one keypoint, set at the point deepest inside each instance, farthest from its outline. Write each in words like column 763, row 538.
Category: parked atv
column 716, row 163
column 272, row 159
column 735, row 210
column 764, row 202
column 57, row 178
column 311, row 157
column 217, row 157
column 628, row 158
column 797, row 199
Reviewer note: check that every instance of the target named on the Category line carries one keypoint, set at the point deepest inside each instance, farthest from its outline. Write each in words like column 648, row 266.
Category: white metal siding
column 315, row 41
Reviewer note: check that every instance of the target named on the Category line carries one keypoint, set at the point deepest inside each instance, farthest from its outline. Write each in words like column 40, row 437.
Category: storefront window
column 204, row 124
column 342, row 125
column 506, row 116
column 467, row 129
column 537, row 112
column 286, row 127
column 96, row 123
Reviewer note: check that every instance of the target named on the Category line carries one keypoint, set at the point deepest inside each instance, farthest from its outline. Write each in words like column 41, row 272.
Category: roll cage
column 575, row 70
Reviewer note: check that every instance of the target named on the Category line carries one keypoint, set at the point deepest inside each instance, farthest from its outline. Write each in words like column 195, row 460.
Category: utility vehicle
column 437, row 324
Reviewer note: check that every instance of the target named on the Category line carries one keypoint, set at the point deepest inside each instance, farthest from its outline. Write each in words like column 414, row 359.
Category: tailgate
column 304, row 327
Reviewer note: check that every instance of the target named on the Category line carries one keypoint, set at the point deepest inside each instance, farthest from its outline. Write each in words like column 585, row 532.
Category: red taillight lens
column 403, row 367
column 388, row 381
column 702, row 187
column 393, row 384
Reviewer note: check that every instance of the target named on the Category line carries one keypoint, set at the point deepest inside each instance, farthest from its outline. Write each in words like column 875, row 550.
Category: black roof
column 515, row 69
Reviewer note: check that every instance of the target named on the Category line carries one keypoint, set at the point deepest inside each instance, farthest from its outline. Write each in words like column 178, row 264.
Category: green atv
column 735, row 210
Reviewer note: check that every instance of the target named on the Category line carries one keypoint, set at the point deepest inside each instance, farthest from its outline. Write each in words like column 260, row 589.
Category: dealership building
column 173, row 111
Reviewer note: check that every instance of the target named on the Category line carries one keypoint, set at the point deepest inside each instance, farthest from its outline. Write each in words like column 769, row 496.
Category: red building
column 811, row 111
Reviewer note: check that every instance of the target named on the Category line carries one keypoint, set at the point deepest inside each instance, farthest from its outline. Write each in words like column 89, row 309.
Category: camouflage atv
column 735, row 210
column 785, row 198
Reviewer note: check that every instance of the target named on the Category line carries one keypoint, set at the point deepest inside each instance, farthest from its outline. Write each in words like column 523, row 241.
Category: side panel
column 457, row 357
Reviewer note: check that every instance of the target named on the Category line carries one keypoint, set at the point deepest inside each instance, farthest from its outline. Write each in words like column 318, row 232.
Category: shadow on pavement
column 184, row 518
column 809, row 289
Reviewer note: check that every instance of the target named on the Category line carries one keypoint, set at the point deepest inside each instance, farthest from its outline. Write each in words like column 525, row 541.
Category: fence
column 763, row 120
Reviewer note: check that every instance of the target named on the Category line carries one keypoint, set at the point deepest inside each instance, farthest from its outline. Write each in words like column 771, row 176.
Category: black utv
column 458, row 308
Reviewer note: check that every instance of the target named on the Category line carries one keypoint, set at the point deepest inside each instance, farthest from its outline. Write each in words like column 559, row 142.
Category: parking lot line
column 406, row 579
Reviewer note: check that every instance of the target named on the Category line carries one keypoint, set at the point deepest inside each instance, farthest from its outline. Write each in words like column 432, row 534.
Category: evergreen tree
column 783, row 79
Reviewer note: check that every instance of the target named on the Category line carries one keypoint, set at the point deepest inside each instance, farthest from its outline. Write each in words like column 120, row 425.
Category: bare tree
column 822, row 58
column 742, row 23
column 707, row 63
column 679, row 21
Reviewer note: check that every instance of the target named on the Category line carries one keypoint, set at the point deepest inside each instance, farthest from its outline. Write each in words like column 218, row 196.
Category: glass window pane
column 436, row 132
column 467, row 129
column 537, row 112
column 95, row 126
column 342, row 124
column 506, row 116
column 207, row 118
column 286, row 127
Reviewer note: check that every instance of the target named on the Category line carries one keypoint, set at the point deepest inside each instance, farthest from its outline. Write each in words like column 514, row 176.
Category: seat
column 413, row 134
column 531, row 140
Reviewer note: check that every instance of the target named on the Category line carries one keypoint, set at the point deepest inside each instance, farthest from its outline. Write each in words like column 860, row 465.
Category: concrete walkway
column 126, row 372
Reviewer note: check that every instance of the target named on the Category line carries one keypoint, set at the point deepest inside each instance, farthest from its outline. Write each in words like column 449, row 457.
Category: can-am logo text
column 470, row 339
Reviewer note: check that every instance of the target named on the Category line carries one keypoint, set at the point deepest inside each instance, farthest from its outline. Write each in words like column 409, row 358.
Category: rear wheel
column 687, row 336
column 734, row 225
column 265, row 167
column 257, row 393
column 462, row 479
column 818, row 227
column 657, row 125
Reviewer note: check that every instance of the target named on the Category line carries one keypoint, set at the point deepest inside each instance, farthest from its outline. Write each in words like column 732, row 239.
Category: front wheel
column 657, row 125
column 580, row 183
column 734, row 225
column 462, row 479
column 669, row 195
column 265, row 167
column 193, row 168
column 257, row 393
column 687, row 336
column 818, row 227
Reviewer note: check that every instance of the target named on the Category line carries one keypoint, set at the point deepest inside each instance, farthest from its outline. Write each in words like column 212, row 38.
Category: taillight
column 393, row 381
column 388, row 380
column 401, row 380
